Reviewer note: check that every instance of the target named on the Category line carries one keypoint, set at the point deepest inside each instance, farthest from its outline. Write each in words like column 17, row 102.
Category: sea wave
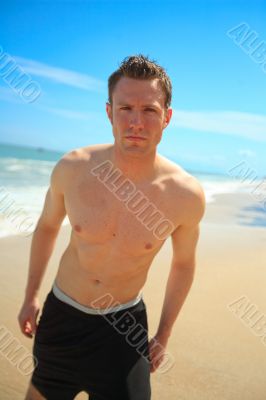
column 213, row 188
column 24, row 182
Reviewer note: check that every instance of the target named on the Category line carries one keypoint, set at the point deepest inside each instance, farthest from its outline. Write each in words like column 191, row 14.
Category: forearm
column 41, row 249
column 178, row 285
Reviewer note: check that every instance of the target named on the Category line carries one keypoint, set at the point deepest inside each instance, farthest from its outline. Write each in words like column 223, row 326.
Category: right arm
column 42, row 245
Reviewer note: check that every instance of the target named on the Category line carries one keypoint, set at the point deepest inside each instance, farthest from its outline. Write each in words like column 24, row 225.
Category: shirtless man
column 111, row 249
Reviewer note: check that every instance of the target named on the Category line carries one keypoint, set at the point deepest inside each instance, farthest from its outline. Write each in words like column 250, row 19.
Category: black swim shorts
column 104, row 355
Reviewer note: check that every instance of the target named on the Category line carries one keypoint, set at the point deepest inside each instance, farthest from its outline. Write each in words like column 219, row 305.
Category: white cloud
column 60, row 75
column 246, row 153
column 217, row 158
column 10, row 95
column 251, row 126
column 6, row 95
column 66, row 113
column 72, row 114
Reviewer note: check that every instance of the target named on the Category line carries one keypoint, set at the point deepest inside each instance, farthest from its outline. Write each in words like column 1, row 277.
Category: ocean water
column 24, row 180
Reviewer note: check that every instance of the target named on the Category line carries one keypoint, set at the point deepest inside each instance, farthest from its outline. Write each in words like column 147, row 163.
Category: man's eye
column 125, row 108
column 150, row 109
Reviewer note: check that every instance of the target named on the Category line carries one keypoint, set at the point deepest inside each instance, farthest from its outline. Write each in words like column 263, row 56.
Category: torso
column 110, row 250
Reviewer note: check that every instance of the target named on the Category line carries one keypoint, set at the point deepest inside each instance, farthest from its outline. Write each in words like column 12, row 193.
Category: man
column 123, row 200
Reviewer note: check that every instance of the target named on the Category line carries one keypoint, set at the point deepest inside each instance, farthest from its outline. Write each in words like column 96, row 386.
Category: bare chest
column 136, row 223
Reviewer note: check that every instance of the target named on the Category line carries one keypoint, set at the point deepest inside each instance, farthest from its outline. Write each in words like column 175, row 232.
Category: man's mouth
column 138, row 138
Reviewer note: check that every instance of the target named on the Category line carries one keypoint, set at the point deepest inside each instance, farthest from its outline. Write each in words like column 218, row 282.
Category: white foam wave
column 26, row 182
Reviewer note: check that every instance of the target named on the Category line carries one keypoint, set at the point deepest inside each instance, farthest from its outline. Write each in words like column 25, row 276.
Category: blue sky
column 69, row 48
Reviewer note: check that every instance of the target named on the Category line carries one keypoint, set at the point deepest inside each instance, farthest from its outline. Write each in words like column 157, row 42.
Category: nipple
column 77, row 228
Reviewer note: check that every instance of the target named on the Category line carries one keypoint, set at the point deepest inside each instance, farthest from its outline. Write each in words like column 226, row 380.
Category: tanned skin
column 110, row 250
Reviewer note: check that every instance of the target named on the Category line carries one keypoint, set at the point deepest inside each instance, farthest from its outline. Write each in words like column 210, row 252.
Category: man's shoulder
column 82, row 154
column 77, row 157
column 179, row 177
column 184, row 187
column 72, row 162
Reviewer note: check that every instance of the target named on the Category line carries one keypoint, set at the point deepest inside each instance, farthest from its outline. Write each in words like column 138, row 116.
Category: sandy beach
column 218, row 349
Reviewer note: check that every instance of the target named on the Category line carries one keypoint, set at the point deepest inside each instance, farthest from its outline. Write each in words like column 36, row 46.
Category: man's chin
column 133, row 148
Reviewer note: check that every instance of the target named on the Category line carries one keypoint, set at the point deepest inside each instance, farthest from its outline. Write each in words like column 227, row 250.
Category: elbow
column 187, row 269
column 188, row 265
column 43, row 226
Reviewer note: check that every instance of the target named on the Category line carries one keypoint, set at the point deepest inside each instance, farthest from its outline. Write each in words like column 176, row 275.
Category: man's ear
column 168, row 116
column 109, row 112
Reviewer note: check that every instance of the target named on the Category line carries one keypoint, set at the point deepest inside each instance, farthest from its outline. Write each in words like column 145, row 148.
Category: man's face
column 138, row 115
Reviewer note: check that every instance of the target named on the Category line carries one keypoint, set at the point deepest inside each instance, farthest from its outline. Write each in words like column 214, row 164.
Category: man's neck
column 137, row 169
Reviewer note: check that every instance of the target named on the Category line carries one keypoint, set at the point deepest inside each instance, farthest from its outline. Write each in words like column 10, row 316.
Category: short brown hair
column 140, row 67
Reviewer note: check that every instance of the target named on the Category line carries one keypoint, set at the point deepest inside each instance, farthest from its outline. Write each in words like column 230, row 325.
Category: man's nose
column 136, row 120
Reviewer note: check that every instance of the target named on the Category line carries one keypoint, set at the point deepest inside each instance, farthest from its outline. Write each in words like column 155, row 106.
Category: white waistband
column 90, row 310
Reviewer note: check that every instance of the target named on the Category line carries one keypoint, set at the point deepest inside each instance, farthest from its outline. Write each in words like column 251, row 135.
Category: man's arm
column 184, row 241
column 42, row 245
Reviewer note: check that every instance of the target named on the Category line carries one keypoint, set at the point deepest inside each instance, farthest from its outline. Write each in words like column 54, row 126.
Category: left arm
column 184, row 242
